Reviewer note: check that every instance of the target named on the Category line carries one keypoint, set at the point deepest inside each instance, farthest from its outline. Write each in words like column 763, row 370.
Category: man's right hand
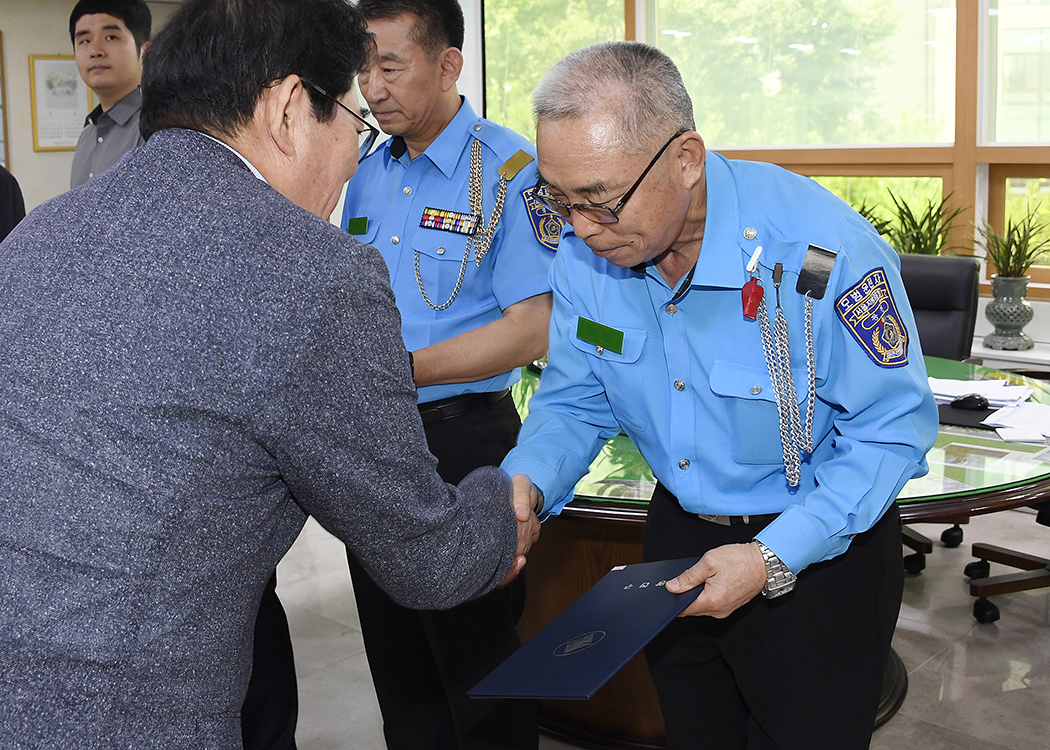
column 526, row 499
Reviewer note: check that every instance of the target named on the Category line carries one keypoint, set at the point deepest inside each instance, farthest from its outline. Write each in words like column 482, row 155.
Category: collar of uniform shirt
column 640, row 269
column 684, row 286
column 722, row 234
column 239, row 155
column 446, row 149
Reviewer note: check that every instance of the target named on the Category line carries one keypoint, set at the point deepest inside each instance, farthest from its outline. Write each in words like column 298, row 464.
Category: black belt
column 447, row 408
column 739, row 520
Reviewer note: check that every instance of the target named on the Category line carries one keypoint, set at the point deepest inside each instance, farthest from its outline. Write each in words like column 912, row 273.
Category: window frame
column 976, row 172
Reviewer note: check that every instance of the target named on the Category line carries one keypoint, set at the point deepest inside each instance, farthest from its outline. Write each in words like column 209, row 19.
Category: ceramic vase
column 1009, row 312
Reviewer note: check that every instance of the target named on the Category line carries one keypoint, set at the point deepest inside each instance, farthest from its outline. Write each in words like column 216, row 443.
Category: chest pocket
column 440, row 259
column 745, row 394
column 369, row 235
column 620, row 373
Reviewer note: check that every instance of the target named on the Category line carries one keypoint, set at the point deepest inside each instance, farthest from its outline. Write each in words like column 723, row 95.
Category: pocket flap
column 742, row 381
column 447, row 246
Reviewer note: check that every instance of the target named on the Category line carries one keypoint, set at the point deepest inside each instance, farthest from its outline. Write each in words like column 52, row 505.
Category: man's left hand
column 732, row 576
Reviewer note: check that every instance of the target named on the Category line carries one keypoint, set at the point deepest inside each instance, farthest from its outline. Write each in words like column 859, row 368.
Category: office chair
column 1035, row 575
column 942, row 291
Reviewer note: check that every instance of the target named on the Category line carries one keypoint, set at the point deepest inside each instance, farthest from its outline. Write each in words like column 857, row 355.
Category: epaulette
column 514, row 164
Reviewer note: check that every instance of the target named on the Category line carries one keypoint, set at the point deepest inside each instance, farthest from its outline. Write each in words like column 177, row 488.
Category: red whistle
column 752, row 294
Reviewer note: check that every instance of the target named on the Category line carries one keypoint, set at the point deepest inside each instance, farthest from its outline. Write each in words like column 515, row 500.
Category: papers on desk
column 1023, row 423
column 998, row 392
column 1015, row 421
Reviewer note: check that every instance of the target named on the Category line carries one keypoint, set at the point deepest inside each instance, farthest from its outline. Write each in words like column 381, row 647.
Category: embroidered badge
column 545, row 223
column 449, row 221
column 870, row 314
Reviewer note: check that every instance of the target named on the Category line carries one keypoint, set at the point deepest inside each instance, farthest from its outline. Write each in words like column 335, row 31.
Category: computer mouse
column 971, row 401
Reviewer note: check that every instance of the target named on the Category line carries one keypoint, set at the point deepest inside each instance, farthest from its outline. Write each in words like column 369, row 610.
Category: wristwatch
column 779, row 580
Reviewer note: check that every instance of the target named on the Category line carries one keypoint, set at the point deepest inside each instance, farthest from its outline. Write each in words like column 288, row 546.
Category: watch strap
column 779, row 578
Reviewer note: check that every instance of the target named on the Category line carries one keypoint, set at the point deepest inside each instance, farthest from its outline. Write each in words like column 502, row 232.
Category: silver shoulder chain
column 481, row 240
column 794, row 437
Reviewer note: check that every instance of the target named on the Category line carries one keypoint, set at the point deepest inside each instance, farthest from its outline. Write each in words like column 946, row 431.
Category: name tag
column 595, row 333
column 357, row 225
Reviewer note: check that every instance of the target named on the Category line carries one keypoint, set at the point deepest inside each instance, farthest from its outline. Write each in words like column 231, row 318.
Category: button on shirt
column 715, row 442
column 106, row 137
column 393, row 191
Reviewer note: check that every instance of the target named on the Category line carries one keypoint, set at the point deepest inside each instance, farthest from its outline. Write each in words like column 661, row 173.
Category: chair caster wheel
column 977, row 569
column 915, row 564
column 984, row 611
column 952, row 537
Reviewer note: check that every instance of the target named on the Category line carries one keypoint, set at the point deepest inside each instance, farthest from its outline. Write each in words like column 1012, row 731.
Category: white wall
column 39, row 27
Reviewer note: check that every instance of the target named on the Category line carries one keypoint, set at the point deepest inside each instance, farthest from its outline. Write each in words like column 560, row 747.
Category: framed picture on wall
column 4, row 156
column 60, row 102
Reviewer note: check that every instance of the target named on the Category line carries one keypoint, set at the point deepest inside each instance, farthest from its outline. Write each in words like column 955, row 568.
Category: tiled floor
column 971, row 686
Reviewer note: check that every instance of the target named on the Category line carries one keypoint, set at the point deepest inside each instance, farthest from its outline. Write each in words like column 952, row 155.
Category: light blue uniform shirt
column 393, row 192
column 691, row 387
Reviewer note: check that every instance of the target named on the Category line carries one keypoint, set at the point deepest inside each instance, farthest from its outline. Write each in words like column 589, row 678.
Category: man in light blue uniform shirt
column 447, row 201
column 751, row 335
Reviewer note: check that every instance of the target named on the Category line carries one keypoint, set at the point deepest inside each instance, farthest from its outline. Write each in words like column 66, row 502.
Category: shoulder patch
column 545, row 223
column 867, row 309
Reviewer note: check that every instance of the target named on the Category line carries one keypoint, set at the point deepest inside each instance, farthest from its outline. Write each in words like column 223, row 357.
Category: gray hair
column 636, row 84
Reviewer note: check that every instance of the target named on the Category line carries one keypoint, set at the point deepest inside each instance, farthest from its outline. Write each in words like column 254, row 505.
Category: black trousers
column 423, row 662
column 799, row 672
column 271, row 705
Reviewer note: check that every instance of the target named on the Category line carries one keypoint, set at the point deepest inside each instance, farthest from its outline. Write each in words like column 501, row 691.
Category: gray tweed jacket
column 189, row 365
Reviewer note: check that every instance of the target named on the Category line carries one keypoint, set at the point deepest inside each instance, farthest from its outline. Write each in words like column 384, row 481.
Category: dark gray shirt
column 106, row 137
column 189, row 365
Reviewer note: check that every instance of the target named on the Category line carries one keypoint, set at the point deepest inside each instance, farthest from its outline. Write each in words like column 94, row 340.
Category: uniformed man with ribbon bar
column 751, row 334
column 447, row 201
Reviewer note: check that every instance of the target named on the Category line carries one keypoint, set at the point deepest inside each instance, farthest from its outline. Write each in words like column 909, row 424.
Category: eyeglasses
column 367, row 137
column 596, row 212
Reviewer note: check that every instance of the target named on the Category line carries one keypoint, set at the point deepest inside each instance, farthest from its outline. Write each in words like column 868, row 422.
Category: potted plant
column 1012, row 253
column 907, row 232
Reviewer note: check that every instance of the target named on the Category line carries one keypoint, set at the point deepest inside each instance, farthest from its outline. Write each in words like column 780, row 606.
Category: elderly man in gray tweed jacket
column 191, row 361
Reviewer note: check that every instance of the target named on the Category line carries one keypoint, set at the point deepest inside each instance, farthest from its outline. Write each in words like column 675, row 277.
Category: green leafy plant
column 1015, row 250
column 881, row 225
column 924, row 233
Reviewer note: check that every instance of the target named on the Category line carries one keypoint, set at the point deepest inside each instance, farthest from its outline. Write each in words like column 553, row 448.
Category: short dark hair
column 439, row 23
column 133, row 13
column 210, row 63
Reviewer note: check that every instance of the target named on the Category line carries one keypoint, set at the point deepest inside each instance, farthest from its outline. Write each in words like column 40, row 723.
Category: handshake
column 527, row 503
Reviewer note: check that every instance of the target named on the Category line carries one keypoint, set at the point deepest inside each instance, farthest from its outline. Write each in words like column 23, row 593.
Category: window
column 874, row 192
column 817, row 72
column 920, row 95
column 523, row 38
column 1017, row 101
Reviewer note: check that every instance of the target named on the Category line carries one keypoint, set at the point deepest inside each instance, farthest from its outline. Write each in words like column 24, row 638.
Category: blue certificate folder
column 594, row 638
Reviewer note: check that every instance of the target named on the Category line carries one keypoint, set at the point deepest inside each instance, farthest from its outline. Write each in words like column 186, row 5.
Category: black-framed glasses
column 367, row 137
column 596, row 212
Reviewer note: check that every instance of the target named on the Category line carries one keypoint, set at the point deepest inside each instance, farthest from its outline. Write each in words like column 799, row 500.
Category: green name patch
column 357, row 225
column 595, row 333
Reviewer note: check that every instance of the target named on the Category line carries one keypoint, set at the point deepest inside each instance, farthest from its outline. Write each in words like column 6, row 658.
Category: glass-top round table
column 971, row 472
